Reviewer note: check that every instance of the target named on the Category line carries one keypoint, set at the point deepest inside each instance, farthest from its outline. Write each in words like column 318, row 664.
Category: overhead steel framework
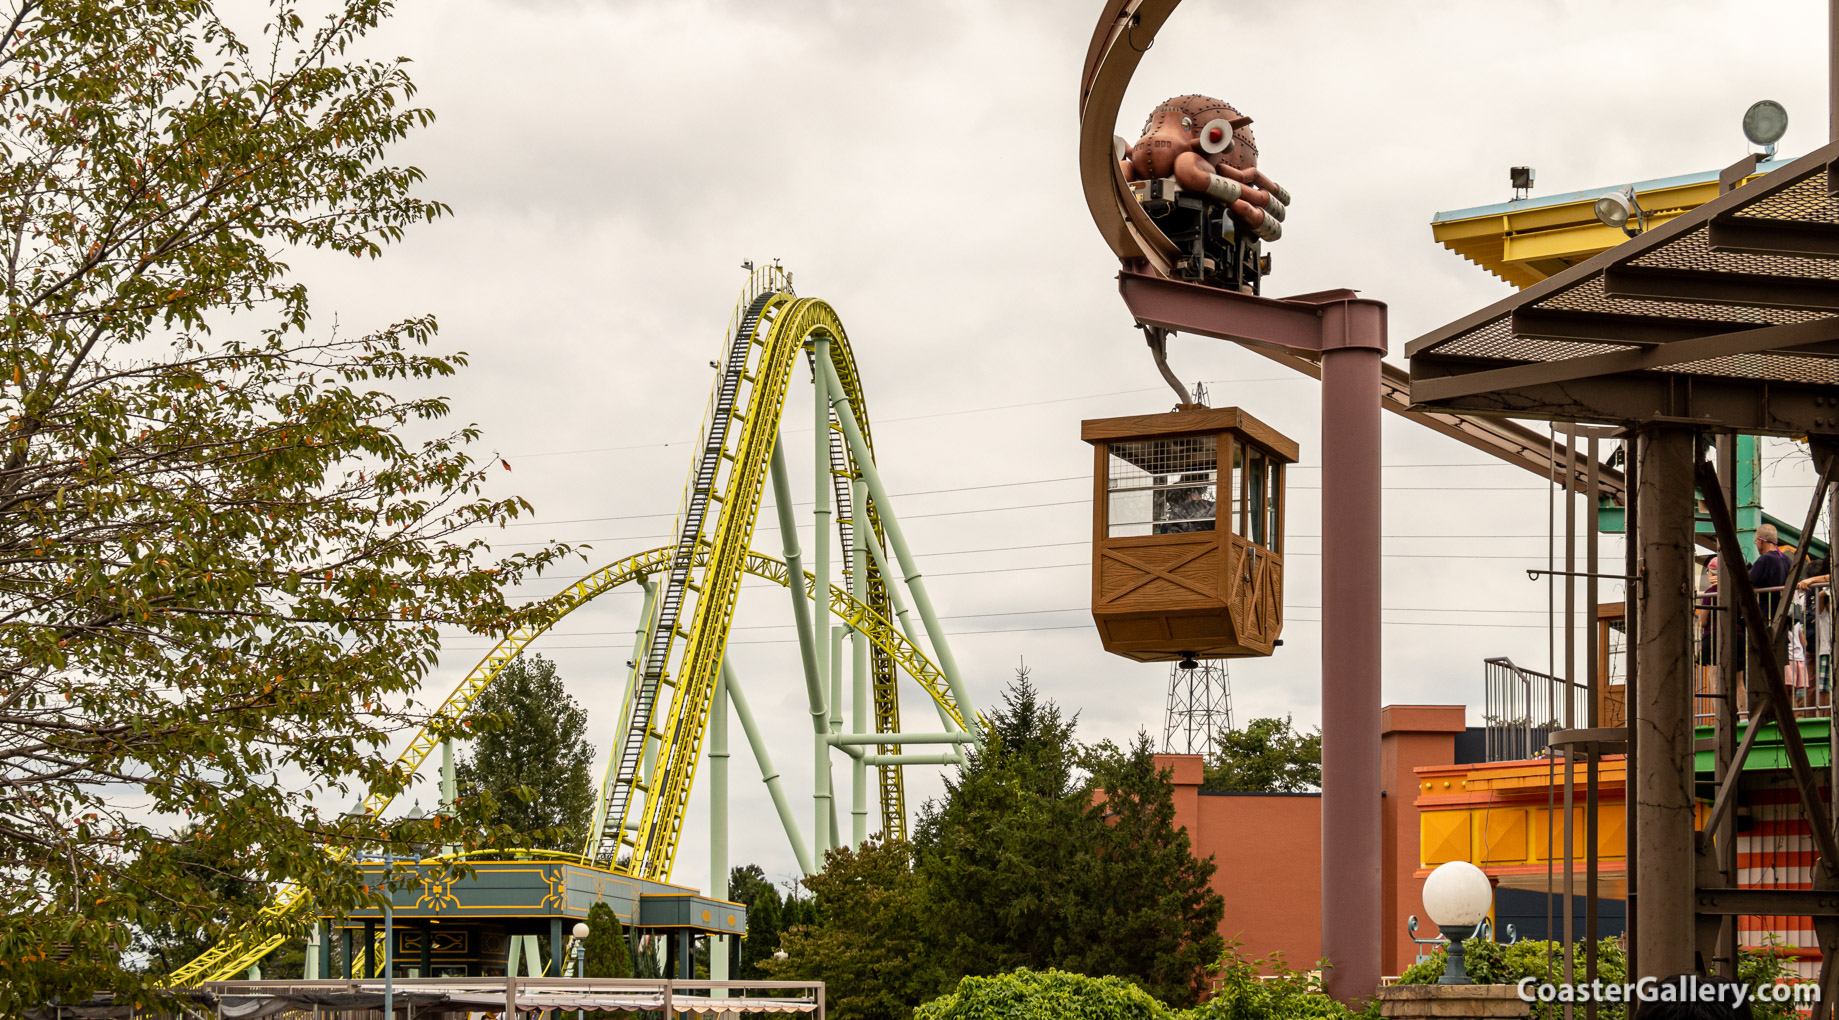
column 1723, row 320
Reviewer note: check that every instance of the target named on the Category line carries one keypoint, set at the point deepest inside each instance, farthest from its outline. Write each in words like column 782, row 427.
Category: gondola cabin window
column 1163, row 486
column 1188, row 533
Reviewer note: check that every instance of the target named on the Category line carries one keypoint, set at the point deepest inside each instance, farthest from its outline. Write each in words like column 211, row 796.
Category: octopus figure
column 1207, row 147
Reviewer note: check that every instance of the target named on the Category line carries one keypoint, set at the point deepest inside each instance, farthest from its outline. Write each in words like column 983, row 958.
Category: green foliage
column 1043, row 995
column 749, row 885
column 1243, row 991
column 1493, row 963
column 1149, row 910
column 1009, row 845
column 872, row 947
column 605, row 953
column 533, row 757
column 1042, row 855
column 1267, row 756
column 226, row 541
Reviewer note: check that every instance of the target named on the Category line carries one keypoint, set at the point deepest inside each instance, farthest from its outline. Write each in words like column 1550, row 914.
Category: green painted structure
column 500, row 917
column 1750, row 514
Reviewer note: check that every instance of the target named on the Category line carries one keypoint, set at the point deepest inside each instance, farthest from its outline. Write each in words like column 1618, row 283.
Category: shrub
column 1494, row 963
column 1044, row 995
column 1241, row 993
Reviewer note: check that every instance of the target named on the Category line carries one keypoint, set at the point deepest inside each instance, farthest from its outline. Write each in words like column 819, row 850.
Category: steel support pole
column 1352, row 832
column 1724, row 643
column 1662, row 717
column 718, row 819
column 768, row 774
column 906, row 624
column 795, row 566
column 820, row 568
column 916, row 584
column 834, row 839
column 858, row 695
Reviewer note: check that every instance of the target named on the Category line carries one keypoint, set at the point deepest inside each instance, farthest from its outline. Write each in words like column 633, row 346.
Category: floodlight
column 1521, row 176
column 1764, row 123
column 1618, row 207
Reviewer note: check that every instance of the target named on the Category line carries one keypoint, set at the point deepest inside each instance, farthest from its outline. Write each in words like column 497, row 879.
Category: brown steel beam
column 1503, row 438
column 1228, row 315
column 1661, row 715
column 1758, row 290
column 1723, row 404
column 1768, row 902
column 1613, row 328
column 1792, row 336
column 1773, row 237
column 1819, row 820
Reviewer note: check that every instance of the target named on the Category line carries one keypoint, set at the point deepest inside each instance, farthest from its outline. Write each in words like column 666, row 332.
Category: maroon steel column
column 1665, row 861
column 1353, row 342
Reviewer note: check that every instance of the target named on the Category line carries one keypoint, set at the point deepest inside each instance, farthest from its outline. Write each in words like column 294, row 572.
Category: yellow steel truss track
column 721, row 560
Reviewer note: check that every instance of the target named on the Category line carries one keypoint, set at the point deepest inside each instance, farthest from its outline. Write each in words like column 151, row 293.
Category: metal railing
column 1522, row 706
column 362, row 1000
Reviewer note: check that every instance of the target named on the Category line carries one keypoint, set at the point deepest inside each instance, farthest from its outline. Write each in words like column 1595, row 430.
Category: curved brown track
column 1117, row 47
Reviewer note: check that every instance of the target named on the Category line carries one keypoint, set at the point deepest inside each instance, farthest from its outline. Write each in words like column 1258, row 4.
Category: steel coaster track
column 882, row 678
column 790, row 322
column 677, row 586
column 247, row 946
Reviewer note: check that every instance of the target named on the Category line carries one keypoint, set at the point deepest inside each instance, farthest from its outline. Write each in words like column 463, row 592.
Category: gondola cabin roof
column 1191, row 422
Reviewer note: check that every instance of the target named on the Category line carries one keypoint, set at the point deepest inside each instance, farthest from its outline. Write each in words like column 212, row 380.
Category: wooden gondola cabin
column 1187, row 534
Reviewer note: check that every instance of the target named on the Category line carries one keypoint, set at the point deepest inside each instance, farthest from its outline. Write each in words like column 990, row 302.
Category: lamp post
column 580, row 933
column 1457, row 896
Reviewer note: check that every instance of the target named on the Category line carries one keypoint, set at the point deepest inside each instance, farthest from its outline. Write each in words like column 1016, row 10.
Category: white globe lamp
column 1457, row 896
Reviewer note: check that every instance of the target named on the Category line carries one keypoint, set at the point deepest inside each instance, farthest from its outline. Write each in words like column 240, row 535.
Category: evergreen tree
column 998, row 855
column 1267, row 756
column 869, row 938
column 605, row 952
column 765, row 922
column 1148, row 909
column 533, row 759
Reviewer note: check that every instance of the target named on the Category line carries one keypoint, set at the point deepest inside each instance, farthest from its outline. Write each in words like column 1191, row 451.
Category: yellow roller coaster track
column 788, row 323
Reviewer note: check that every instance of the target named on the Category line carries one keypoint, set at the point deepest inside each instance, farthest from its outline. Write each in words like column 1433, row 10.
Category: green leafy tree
column 532, row 757
column 1267, row 756
column 229, row 531
column 1149, row 910
column 872, row 946
column 1039, row 995
column 605, row 953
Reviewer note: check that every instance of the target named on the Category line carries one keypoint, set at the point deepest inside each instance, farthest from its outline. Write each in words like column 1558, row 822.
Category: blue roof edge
column 1682, row 180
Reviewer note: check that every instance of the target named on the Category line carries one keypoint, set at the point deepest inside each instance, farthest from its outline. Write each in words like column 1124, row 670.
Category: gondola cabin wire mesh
column 1187, row 556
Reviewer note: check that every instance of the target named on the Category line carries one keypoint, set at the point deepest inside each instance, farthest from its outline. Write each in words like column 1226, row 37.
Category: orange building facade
column 1268, row 846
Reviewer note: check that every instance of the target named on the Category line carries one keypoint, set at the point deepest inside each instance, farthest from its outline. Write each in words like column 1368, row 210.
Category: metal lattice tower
column 1200, row 705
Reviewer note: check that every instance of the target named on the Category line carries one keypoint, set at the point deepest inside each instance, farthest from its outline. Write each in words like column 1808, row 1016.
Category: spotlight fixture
column 1618, row 207
column 1764, row 123
column 1522, row 178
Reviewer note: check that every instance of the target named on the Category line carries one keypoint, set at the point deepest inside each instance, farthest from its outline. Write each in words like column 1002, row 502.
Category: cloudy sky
column 611, row 164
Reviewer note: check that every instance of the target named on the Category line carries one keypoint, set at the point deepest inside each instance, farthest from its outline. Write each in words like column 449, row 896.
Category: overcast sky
column 611, row 164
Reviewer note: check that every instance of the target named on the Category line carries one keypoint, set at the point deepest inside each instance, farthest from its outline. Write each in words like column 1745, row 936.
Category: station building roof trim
column 1528, row 240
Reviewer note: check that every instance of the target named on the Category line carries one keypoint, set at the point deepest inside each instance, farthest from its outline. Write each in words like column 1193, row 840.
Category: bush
column 1240, row 993
column 1494, row 963
column 1044, row 995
